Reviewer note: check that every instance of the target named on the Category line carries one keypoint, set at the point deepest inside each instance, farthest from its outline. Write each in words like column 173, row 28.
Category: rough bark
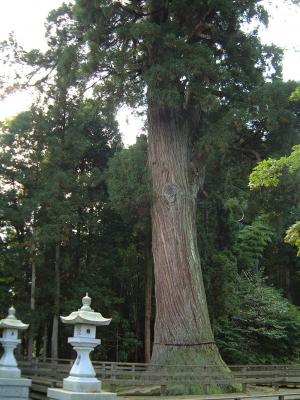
column 182, row 333
column 54, row 336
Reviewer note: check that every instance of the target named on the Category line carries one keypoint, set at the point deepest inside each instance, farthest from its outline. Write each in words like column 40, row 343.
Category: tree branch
column 243, row 150
column 140, row 14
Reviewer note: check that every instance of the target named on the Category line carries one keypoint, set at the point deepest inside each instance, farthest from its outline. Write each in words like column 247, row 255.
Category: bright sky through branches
column 27, row 18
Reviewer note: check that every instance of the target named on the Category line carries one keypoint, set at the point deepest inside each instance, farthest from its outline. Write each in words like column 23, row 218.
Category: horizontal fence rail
column 50, row 373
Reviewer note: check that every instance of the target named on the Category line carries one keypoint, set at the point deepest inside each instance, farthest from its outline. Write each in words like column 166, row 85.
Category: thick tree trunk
column 54, row 336
column 182, row 333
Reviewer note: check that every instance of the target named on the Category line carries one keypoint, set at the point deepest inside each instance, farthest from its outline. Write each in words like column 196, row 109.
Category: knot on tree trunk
column 170, row 192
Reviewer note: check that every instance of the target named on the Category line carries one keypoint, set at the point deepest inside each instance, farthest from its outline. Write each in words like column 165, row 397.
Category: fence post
column 35, row 367
column 277, row 378
column 205, row 388
column 244, row 384
column 113, row 385
column 163, row 390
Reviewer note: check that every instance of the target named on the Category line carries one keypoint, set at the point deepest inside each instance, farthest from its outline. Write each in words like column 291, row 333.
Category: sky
column 26, row 18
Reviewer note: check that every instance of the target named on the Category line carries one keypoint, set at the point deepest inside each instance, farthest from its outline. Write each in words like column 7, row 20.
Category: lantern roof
column 11, row 322
column 86, row 315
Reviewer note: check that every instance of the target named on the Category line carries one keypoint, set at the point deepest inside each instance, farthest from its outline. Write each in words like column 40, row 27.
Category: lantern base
column 9, row 372
column 14, row 389
column 61, row 394
column 82, row 385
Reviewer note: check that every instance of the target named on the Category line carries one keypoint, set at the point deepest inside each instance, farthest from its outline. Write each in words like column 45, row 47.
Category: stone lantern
column 11, row 383
column 82, row 381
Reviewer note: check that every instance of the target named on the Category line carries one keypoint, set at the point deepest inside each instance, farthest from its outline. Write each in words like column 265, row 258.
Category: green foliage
column 252, row 240
column 242, row 231
column 267, row 172
column 52, row 169
column 295, row 96
column 181, row 50
column 221, row 272
column 130, row 195
column 263, row 327
column 193, row 57
column 129, row 181
column 261, row 310
column 293, row 236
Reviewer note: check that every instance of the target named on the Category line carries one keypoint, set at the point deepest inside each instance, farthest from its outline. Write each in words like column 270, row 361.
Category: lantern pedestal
column 82, row 375
column 61, row 394
column 14, row 389
column 8, row 363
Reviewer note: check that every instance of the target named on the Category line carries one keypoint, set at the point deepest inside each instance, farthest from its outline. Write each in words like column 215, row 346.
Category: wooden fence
column 50, row 373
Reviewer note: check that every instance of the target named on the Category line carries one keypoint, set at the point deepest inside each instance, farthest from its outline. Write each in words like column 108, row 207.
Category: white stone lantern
column 11, row 383
column 10, row 325
column 82, row 381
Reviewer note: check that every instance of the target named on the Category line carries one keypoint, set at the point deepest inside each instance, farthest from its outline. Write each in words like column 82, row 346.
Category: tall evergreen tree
column 192, row 58
column 52, row 164
column 195, row 68
column 130, row 194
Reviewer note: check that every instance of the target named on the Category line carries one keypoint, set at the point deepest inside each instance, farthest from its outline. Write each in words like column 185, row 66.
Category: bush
column 263, row 327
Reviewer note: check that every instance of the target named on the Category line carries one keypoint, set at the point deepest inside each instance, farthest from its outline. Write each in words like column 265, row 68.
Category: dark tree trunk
column 45, row 342
column 32, row 307
column 182, row 333
column 288, row 284
column 54, row 336
column 148, row 306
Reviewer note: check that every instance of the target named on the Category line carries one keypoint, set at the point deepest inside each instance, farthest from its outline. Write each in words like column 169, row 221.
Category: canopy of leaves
column 267, row 172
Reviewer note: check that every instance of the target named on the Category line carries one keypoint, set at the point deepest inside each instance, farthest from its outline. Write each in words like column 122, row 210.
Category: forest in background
column 75, row 210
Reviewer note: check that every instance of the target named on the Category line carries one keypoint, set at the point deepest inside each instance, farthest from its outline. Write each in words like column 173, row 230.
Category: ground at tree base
column 204, row 360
